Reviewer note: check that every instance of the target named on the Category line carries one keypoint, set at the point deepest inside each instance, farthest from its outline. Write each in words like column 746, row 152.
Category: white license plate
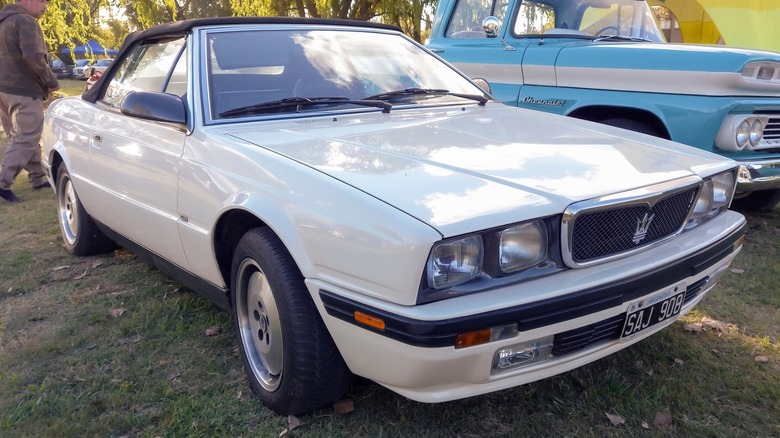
column 661, row 307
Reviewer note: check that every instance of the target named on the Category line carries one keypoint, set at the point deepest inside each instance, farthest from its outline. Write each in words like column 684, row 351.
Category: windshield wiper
column 296, row 102
column 425, row 93
column 614, row 37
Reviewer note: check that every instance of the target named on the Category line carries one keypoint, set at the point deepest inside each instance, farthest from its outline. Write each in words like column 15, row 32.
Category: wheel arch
column 599, row 113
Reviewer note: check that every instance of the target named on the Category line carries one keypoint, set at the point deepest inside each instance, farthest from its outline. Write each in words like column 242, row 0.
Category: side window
column 467, row 18
column 533, row 18
column 152, row 66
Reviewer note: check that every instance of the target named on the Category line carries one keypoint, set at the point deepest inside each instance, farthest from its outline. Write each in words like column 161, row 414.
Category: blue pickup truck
column 607, row 61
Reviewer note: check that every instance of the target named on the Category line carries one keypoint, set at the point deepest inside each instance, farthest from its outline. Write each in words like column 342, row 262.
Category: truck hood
column 457, row 168
column 664, row 68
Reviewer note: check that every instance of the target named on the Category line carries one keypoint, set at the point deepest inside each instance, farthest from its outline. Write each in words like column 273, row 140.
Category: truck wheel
column 757, row 201
column 290, row 359
column 79, row 232
column 631, row 125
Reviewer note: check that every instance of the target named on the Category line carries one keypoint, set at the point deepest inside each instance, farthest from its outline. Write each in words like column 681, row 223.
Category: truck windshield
column 616, row 19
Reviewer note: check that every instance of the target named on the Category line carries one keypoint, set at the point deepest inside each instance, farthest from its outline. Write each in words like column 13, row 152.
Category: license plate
column 643, row 314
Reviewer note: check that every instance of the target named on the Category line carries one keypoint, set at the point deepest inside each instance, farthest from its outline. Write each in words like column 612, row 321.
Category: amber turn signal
column 371, row 321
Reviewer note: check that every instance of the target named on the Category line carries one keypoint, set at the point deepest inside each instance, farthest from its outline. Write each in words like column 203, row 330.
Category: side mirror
column 492, row 26
column 482, row 84
column 161, row 107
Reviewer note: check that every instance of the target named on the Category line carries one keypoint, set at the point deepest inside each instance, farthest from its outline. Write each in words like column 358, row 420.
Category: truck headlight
column 454, row 262
column 715, row 197
column 741, row 131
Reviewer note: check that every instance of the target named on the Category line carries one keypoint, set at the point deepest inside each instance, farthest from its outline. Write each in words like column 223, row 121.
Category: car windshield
column 606, row 19
column 617, row 20
column 256, row 70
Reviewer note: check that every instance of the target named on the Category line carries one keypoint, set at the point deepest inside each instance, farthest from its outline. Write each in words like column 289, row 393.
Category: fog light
column 520, row 355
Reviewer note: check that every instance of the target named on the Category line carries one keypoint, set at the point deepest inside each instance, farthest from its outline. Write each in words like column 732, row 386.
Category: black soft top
column 185, row 26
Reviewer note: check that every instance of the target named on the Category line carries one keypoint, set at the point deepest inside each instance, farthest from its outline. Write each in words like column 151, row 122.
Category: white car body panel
column 360, row 195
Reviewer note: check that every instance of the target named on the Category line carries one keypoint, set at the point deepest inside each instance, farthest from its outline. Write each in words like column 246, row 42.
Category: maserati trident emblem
column 641, row 228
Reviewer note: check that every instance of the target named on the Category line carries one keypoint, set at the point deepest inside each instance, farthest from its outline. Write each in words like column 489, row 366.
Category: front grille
column 607, row 231
column 772, row 129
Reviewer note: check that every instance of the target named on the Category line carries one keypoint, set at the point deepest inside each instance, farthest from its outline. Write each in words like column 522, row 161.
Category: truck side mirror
column 491, row 25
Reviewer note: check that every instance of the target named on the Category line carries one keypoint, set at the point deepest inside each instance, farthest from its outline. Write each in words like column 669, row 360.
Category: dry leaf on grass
column 116, row 313
column 737, row 271
column 616, row 420
column 679, row 361
column 60, row 268
column 129, row 340
column 762, row 359
column 645, row 425
column 342, row 407
column 80, row 276
column 693, row 327
column 293, row 423
column 97, row 264
column 717, row 325
column 212, row 331
column 662, row 419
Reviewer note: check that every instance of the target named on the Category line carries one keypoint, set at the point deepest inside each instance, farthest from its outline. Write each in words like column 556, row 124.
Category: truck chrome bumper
column 758, row 175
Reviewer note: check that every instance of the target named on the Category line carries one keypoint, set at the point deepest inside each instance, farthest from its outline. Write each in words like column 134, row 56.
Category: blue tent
column 91, row 48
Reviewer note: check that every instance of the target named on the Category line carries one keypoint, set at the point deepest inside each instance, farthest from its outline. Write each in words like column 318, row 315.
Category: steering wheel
column 606, row 28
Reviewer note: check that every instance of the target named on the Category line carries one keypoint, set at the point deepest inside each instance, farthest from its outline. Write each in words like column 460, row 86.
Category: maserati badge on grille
column 641, row 228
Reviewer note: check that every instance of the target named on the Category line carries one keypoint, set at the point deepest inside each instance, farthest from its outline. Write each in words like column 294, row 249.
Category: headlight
column 743, row 134
column 717, row 192
column 756, row 132
column 455, row 262
column 522, row 246
column 741, row 131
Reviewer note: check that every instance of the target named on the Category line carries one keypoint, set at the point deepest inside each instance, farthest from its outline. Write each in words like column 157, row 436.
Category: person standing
column 25, row 83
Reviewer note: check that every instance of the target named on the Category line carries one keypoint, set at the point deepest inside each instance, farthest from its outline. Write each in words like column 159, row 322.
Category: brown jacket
column 24, row 67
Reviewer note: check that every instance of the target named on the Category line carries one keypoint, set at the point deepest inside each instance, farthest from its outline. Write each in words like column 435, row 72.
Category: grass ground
column 108, row 346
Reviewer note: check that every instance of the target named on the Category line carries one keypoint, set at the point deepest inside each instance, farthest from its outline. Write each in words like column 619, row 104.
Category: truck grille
column 597, row 233
column 772, row 129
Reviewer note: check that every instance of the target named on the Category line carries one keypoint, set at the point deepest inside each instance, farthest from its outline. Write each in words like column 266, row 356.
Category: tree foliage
column 68, row 23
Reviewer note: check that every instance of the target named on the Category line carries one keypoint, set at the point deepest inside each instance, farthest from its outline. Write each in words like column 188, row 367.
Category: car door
column 135, row 162
column 460, row 40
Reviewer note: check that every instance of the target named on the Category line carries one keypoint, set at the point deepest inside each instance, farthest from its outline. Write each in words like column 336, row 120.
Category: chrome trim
column 758, row 175
column 649, row 195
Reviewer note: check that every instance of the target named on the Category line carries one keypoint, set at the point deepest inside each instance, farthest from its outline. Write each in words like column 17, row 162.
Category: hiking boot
column 44, row 185
column 8, row 195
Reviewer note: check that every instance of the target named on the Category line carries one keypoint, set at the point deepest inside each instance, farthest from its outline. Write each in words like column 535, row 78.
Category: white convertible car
column 362, row 208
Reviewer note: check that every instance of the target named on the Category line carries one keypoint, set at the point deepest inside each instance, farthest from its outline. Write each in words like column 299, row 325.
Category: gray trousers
column 22, row 120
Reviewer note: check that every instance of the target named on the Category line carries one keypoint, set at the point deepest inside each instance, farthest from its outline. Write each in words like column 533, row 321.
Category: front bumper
column 758, row 175
column 415, row 356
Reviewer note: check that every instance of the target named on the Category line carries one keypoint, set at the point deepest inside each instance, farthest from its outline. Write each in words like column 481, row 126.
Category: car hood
column 663, row 68
column 465, row 168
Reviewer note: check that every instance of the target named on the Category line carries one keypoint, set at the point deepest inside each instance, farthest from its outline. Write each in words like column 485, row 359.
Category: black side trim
column 442, row 333
column 217, row 295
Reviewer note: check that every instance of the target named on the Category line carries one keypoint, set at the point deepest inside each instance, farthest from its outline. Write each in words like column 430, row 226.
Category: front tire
column 632, row 125
column 79, row 232
column 290, row 359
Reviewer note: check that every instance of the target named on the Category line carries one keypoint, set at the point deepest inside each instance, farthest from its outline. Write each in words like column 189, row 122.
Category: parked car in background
column 99, row 65
column 61, row 69
column 78, row 69
column 607, row 61
column 363, row 208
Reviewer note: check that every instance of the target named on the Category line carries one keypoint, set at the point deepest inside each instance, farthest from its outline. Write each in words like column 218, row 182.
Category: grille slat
column 606, row 232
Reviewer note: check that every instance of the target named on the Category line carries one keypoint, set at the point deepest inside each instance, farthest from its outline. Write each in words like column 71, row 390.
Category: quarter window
column 158, row 66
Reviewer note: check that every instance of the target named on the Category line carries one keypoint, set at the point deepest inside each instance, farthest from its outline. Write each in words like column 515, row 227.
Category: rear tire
column 79, row 232
column 758, row 201
column 289, row 357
